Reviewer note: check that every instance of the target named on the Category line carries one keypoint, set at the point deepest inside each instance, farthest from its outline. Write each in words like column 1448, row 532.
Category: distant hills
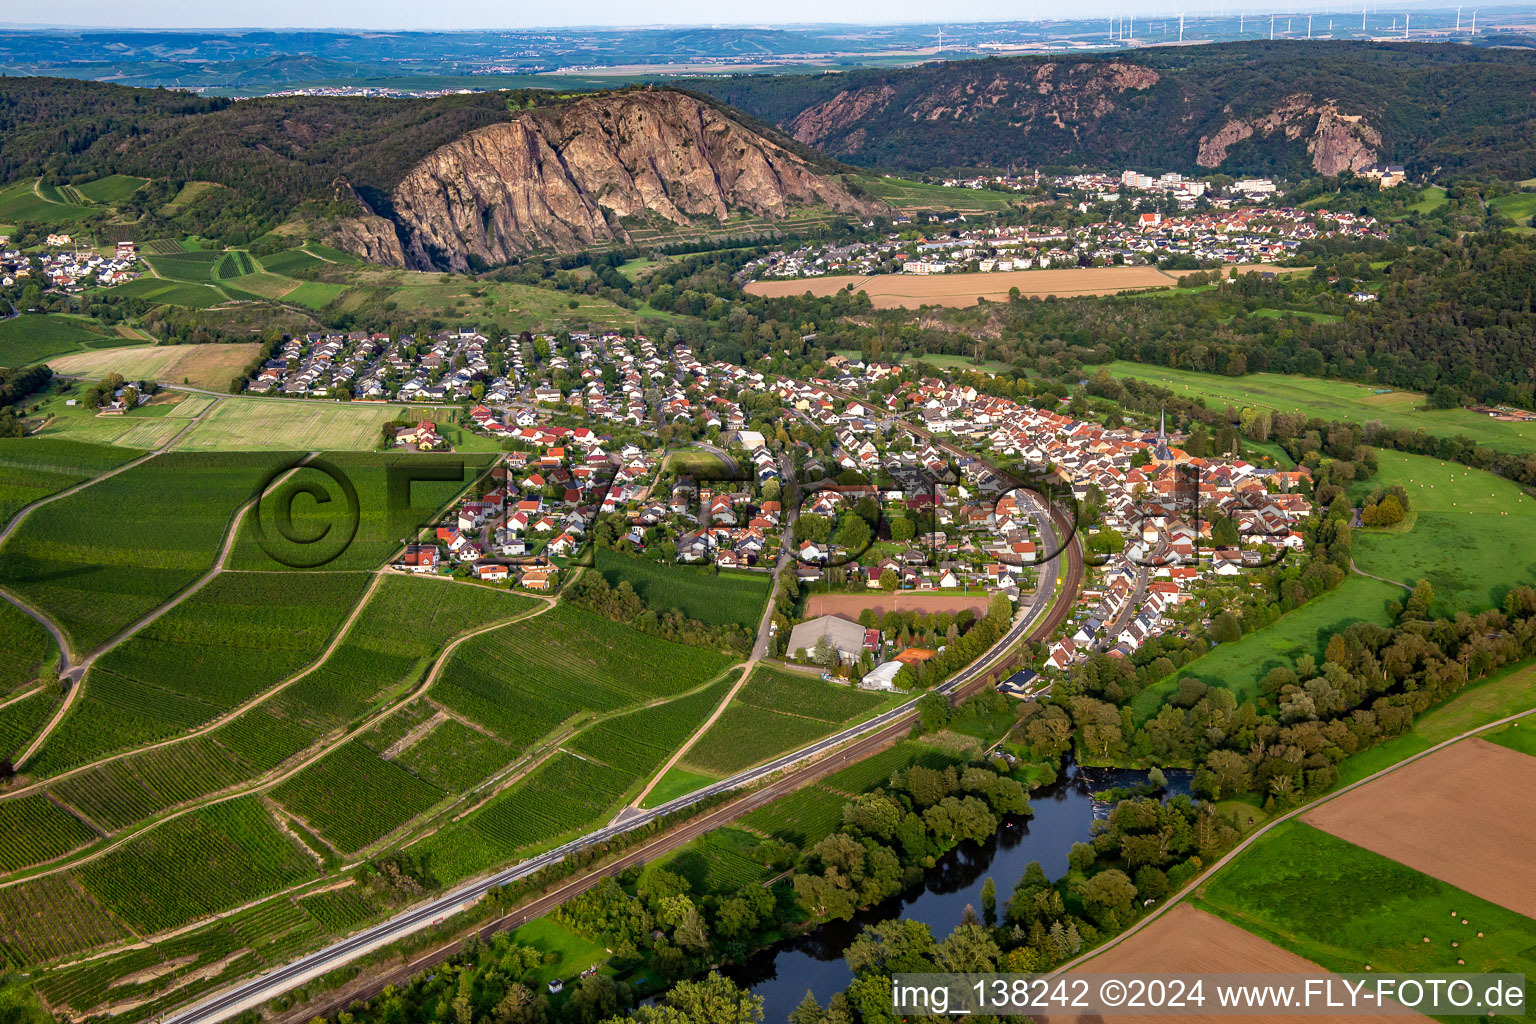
column 1244, row 108
column 458, row 182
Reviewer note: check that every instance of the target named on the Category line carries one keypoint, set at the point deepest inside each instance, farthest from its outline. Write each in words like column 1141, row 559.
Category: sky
column 489, row 14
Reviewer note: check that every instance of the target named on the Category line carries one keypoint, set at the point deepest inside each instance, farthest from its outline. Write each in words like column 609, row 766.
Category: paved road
column 868, row 736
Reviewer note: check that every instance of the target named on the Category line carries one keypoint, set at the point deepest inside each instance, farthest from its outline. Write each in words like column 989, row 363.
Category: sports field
column 204, row 366
column 1334, row 400
column 1465, row 815
column 275, row 424
column 909, row 291
column 1469, row 533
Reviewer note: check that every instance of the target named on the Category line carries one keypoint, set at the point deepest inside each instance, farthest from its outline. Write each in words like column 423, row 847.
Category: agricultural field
column 276, row 424
column 21, row 717
column 639, row 742
column 237, row 636
column 212, row 859
column 453, row 756
column 678, row 781
column 1519, row 207
column 50, row 917
column 30, row 200
column 34, row 829
column 1334, row 400
column 171, row 292
column 400, row 631
column 24, row 646
column 291, row 261
column 203, row 366
column 353, row 797
column 115, row 551
column 1238, row 666
column 1439, row 815
column 35, row 467
column 1468, row 532
column 1344, row 907
column 569, row 662
column 716, row 598
column 38, row 337
column 191, row 267
column 718, row 863
column 759, row 723
column 912, row 291
column 364, row 540
column 917, row 196
column 875, row 772
column 802, row 819
column 111, row 190
column 149, row 426
column 499, row 307
column 564, row 794
column 1187, row 940
column 118, row 793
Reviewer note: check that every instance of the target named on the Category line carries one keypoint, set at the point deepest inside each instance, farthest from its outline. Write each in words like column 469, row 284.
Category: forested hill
column 274, row 153
column 1243, row 108
column 451, row 182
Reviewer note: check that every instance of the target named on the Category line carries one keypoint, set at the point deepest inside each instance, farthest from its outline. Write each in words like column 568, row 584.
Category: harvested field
column 1187, row 940
column 206, row 366
column 1466, row 815
column 909, row 291
column 849, row 606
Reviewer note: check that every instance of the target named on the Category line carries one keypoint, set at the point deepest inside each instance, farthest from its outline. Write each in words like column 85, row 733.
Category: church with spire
column 1161, row 454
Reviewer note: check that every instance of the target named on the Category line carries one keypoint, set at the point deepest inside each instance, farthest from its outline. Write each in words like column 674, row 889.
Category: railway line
column 772, row 780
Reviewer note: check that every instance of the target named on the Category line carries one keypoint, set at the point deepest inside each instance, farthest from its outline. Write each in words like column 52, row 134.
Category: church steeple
column 1160, row 453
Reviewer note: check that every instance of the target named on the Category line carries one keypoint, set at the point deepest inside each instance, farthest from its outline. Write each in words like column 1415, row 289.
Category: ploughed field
column 909, row 291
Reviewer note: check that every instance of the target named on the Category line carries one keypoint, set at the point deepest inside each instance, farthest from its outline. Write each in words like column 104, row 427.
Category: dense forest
column 1438, row 108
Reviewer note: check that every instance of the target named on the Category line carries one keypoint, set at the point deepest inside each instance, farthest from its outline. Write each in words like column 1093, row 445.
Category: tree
column 902, row 529
column 889, row 581
column 521, row 1005
column 824, row 654
column 1108, row 896
column 853, row 533
column 989, row 902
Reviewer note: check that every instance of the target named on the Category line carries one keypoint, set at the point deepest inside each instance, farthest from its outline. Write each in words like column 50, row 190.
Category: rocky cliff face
column 1052, row 96
column 1335, row 141
column 588, row 172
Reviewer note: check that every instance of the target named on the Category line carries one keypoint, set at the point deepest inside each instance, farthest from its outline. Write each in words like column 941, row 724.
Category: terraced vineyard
column 210, row 860
column 35, row 467
column 564, row 794
column 568, row 661
column 21, row 718
column 718, row 598
column 113, row 552
column 50, row 917
column 237, row 636
column 776, row 712
column 352, row 796
column 34, row 829
column 640, row 742
column 379, row 528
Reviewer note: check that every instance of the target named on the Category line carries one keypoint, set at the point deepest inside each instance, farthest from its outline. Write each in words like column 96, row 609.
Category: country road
column 800, row 766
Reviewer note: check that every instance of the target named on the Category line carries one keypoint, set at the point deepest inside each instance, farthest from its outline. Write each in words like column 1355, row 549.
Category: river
column 1063, row 814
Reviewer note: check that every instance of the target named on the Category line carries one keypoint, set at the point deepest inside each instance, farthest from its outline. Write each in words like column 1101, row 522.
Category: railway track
column 856, row 750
